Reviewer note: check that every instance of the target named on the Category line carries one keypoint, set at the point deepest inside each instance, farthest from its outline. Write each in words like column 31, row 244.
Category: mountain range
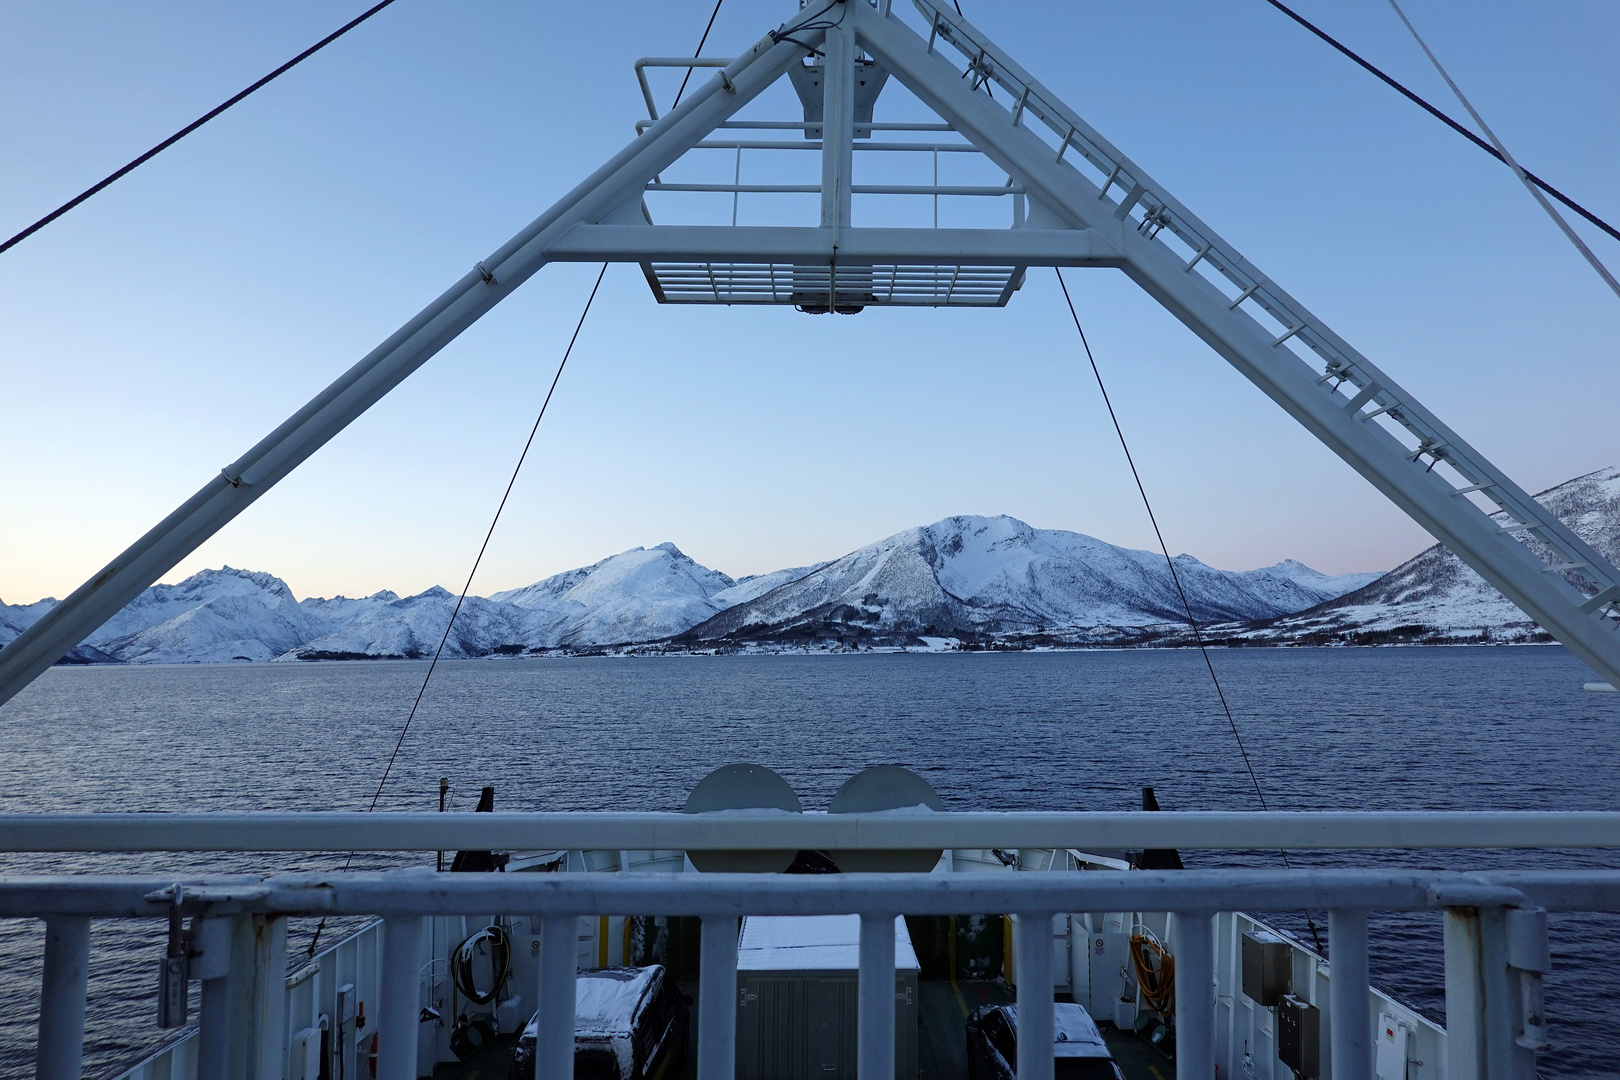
column 968, row 582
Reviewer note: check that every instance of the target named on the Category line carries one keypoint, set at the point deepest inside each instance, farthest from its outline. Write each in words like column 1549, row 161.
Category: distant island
column 964, row 583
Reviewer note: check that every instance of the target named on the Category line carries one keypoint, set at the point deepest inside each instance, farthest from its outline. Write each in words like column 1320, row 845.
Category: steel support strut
column 612, row 191
column 1407, row 477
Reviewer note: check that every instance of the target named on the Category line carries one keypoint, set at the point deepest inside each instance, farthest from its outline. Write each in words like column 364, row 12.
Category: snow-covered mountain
column 643, row 594
column 1437, row 597
column 973, row 577
column 983, row 577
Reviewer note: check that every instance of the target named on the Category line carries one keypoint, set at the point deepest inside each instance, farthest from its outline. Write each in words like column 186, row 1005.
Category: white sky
column 153, row 334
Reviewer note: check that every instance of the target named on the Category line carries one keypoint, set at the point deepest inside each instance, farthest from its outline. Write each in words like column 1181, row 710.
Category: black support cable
column 1175, row 577
column 1444, row 118
column 389, row 768
column 701, row 41
column 193, row 126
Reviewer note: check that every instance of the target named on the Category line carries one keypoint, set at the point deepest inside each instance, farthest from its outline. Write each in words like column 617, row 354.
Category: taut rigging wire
column 1443, row 118
column 701, row 41
column 448, row 626
column 1507, row 158
column 1175, row 577
column 194, row 125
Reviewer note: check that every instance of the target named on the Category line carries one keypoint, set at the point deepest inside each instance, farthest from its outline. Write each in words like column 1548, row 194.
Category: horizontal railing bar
column 815, row 144
column 341, row 832
column 420, row 891
column 857, row 189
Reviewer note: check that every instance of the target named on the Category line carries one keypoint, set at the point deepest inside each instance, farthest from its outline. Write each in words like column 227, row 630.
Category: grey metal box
column 798, row 992
column 1299, row 1036
column 1268, row 967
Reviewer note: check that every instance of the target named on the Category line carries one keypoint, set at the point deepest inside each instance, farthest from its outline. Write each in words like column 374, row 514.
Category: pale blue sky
column 153, row 334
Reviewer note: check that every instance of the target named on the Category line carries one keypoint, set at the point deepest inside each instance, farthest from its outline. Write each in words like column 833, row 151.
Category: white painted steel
column 267, row 1030
column 615, row 187
column 559, row 945
column 60, row 1052
column 1399, row 459
column 401, row 1007
column 1465, row 996
column 875, row 1030
column 1195, row 994
column 1350, row 1036
column 837, row 126
column 717, row 995
column 1032, row 945
column 342, row 832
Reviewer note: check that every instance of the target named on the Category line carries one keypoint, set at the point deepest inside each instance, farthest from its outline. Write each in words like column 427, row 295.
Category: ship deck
column 941, row 1047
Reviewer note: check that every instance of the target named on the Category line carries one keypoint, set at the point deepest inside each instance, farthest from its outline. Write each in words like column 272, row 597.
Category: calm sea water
column 1397, row 729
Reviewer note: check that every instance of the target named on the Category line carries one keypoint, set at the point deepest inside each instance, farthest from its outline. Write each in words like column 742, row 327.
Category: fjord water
column 1359, row 729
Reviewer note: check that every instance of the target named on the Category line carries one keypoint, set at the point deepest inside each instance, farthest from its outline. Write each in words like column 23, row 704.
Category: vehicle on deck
column 630, row 1023
column 1077, row 1046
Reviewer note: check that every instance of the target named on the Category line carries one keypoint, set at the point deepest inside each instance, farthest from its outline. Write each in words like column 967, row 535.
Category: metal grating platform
column 811, row 288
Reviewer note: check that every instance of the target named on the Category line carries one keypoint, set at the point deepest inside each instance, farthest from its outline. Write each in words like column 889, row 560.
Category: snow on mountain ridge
column 982, row 576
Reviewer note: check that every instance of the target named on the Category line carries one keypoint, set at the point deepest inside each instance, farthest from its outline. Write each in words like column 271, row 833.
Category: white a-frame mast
column 1077, row 201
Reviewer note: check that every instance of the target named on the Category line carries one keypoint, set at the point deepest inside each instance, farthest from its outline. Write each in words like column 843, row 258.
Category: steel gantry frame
column 1087, row 205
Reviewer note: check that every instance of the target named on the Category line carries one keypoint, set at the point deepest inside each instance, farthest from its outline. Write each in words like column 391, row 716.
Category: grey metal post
column 401, row 1007
column 219, row 1040
column 267, row 1050
column 717, row 999
column 1465, row 999
column 1032, row 943
column 1349, row 1001
column 559, row 960
column 1195, row 995
column 1529, row 956
column 60, row 1054
column 875, row 1032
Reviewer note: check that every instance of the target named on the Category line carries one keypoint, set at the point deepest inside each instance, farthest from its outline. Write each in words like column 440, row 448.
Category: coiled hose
column 1155, row 973
column 500, row 962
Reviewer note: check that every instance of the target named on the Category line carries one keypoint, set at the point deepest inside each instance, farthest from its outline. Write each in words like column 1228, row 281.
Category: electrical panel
column 1268, row 967
column 1299, row 1036
column 304, row 1059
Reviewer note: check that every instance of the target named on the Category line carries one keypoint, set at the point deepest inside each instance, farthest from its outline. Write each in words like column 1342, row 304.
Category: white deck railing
column 1495, row 922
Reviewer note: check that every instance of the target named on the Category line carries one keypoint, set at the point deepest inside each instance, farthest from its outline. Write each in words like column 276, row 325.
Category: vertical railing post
column 60, row 1054
column 1349, row 1000
column 268, row 1050
column 875, row 1031
column 1195, row 995
column 717, row 999
column 401, row 1006
column 220, row 1047
column 559, row 962
column 1032, row 941
column 1465, row 999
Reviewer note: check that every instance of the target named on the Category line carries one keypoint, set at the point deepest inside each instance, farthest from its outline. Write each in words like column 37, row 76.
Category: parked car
column 630, row 1023
column 1077, row 1045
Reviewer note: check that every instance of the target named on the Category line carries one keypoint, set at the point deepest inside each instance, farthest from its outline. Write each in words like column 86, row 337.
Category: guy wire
column 473, row 572
column 1176, row 578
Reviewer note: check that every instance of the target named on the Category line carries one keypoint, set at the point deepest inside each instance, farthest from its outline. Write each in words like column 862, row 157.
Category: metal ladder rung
column 1473, row 488
column 1379, row 411
column 1561, row 567
column 1242, row 296
column 1523, row 526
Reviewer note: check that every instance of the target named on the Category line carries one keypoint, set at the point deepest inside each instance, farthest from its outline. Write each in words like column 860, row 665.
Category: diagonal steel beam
column 1391, row 466
column 613, row 187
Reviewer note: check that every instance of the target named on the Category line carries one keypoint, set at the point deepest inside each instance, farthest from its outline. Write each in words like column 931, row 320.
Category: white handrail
column 1323, row 831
